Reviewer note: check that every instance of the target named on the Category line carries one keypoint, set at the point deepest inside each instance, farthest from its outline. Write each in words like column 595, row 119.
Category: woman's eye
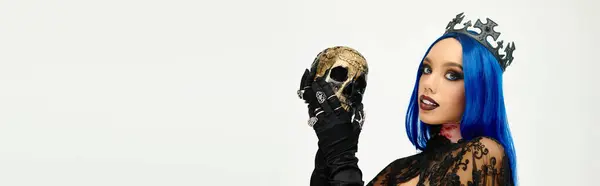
column 453, row 76
column 426, row 70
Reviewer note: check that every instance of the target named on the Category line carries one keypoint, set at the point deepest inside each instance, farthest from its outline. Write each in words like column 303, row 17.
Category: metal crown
column 486, row 30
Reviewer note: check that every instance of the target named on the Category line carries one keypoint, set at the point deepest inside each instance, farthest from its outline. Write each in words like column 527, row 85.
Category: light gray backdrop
column 124, row 92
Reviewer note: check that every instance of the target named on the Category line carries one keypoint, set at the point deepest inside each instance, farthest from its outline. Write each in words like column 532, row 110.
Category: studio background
column 204, row 93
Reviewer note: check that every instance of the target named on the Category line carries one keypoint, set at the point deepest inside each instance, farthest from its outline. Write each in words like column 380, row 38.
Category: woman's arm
column 336, row 163
column 342, row 171
column 347, row 176
column 320, row 172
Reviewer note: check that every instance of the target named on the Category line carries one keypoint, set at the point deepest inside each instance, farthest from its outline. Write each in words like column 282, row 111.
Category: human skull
column 345, row 70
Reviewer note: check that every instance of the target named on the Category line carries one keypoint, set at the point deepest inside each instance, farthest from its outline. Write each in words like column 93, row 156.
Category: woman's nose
column 430, row 84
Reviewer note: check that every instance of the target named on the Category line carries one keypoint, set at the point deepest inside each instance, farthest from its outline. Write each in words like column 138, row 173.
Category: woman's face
column 441, row 86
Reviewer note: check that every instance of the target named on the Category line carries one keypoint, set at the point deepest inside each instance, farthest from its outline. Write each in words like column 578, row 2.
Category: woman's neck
column 451, row 131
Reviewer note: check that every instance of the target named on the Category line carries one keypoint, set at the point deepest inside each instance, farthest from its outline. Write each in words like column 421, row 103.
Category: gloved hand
column 337, row 130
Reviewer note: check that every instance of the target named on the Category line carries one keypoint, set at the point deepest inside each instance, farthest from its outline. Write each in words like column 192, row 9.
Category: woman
column 456, row 117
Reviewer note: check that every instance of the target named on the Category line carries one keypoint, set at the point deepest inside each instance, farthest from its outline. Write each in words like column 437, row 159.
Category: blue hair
column 484, row 114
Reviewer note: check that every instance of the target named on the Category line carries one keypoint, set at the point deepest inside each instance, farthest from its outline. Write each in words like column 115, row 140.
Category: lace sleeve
column 398, row 171
column 381, row 176
column 482, row 162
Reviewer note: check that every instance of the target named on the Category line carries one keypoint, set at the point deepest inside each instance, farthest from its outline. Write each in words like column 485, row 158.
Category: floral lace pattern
column 477, row 162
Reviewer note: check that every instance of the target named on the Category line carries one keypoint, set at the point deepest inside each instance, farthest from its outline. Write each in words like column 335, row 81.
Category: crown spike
column 468, row 24
column 485, row 30
column 500, row 44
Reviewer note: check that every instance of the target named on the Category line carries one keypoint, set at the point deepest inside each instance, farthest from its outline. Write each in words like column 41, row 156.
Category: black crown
column 486, row 30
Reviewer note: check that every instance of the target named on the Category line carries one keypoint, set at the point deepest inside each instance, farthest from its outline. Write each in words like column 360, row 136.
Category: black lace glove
column 337, row 131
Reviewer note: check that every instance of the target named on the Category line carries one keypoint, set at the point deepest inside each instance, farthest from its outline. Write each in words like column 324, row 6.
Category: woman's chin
column 430, row 121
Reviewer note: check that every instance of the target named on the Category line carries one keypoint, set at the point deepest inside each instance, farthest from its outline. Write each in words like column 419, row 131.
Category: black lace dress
column 480, row 161
column 477, row 162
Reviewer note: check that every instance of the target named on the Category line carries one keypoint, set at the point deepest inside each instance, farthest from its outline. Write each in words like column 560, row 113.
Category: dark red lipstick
column 427, row 103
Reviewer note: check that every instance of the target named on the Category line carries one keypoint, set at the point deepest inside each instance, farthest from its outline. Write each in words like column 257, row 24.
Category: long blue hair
column 484, row 114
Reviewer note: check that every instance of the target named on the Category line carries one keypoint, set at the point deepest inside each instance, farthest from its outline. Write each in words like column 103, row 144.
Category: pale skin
column 442, row 81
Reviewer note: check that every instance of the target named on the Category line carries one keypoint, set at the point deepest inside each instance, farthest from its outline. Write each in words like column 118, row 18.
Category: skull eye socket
column 356, row 89
column 339, row 74
column 358, row 86
column 361, row 84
